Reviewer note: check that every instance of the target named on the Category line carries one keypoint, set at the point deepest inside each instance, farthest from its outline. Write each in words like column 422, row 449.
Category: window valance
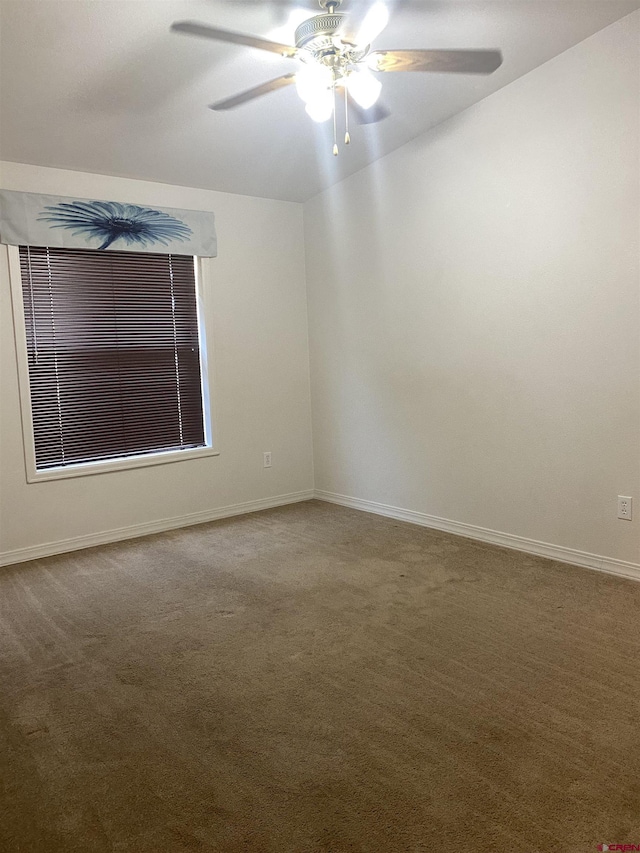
column 32, row 219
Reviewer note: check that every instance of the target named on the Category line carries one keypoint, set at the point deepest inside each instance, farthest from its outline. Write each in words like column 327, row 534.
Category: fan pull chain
column 347, row 138
column 335, row 132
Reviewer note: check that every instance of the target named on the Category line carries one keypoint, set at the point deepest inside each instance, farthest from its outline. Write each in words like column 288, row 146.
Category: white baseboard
column 48, row 549
column 506, row 540
column 470, row 531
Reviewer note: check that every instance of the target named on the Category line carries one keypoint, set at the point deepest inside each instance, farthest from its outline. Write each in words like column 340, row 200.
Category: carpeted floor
column 313, row 678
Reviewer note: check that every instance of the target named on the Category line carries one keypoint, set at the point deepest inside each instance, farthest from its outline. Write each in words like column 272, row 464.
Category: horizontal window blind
column 113, row 349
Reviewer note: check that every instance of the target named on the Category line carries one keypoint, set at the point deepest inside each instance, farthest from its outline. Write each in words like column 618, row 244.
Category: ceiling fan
column 335, row 54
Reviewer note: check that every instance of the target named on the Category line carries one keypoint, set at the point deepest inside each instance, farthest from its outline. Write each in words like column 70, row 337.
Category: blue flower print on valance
column 73, row 223
column 110, row 221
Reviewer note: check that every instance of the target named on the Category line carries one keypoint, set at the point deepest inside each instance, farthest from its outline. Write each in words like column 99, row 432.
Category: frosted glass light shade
column 312, row 81
column 320, row 108
column 364, row 88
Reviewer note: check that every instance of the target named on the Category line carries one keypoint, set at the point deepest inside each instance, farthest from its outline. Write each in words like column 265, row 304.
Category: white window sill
column 127, row 463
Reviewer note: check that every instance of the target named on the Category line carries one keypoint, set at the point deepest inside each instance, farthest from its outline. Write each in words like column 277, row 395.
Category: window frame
column 203, row 276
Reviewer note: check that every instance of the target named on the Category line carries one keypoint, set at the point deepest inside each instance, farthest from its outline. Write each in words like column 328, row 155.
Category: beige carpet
column 313, row 679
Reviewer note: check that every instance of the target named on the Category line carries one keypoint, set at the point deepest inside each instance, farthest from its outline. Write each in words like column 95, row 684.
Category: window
column 114, row 356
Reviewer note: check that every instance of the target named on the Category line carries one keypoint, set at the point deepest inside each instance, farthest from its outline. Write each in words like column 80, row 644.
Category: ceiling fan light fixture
column 320, row 107
column 334, row 51
column 312, row 81
column 363, row 87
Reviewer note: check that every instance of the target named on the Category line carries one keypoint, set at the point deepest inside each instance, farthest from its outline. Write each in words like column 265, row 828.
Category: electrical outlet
column 624, row 507
column 267, row 459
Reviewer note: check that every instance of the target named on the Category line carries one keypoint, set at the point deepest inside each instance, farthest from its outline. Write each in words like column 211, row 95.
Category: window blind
column 113, row 350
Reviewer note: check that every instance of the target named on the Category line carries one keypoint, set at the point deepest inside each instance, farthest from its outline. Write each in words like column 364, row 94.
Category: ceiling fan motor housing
column 320, row 40
column 321, row 28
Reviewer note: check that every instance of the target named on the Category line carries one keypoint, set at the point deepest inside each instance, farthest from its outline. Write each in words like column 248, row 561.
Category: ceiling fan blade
column 362, row 25
column 378, row 112
column 459, row 61
column 193, row 28
column 255, row 92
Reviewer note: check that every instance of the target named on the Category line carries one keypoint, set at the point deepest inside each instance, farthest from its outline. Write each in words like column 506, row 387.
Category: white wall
column 258, row 328
column 474, row 311
column 474, row 317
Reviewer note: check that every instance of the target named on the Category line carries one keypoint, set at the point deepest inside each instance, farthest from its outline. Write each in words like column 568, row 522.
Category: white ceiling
column 103, row 86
